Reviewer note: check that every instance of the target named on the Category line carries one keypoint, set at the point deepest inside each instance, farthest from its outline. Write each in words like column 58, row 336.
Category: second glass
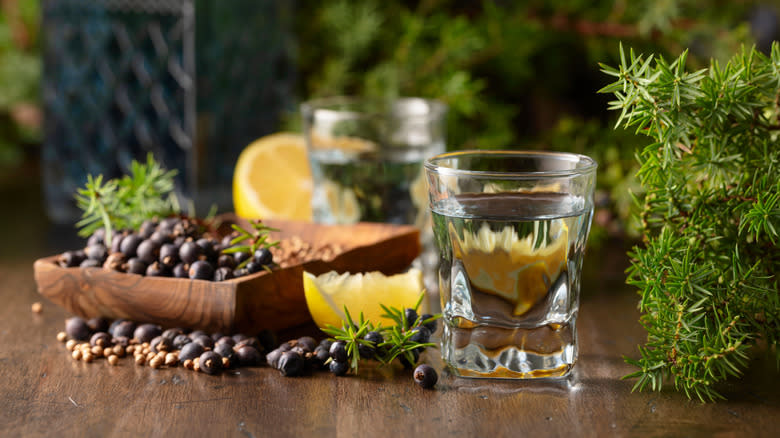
column 366, row 158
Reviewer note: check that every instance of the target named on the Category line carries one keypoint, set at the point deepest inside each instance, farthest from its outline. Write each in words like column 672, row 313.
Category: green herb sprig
column 146, row 192
column 707, row 271
column 250, row 240
column 397, row 337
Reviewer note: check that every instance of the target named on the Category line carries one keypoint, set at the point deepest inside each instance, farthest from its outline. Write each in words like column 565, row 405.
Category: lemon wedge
column 272, row 179
column 327, row 294
column 500, row 263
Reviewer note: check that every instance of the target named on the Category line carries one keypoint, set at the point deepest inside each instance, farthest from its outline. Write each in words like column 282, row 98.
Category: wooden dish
column 265, row 300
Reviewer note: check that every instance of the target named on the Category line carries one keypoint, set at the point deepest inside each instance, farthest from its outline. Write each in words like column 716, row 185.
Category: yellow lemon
column 272, row 179
column 329, row 293
column 500, row 263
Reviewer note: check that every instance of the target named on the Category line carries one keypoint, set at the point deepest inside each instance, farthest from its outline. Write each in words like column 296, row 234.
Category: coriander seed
column 62, row 336
column 113, row 360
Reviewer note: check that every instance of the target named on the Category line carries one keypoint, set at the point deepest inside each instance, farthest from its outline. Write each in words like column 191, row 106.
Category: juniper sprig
column 710, row 214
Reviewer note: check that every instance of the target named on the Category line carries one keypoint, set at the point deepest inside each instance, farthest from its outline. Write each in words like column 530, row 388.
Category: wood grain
column 46, row 393
column 265, row 300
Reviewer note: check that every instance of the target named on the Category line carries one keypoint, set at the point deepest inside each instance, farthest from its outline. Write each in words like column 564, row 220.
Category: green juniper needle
column 397, row 338
column 710, row 215
column 250, row 241
column 124, row 203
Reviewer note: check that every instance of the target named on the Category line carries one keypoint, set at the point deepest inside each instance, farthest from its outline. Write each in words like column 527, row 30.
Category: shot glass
column 510, row 228
column 366, row 158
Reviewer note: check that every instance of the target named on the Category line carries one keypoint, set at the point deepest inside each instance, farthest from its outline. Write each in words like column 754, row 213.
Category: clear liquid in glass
column 509, row 281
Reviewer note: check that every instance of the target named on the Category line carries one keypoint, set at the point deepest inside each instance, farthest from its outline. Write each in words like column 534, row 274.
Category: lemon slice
column 500, row 263
column 272, row 179
column 327, row 294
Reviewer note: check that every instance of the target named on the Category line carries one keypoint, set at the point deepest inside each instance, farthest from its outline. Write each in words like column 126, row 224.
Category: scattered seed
column 140, row 359
column 88, row 357
column 37, row 307
column 76, row 354
column 171, row 359
column 113, row 359
column 156, row 362
column 71, row 344
column 62, row 336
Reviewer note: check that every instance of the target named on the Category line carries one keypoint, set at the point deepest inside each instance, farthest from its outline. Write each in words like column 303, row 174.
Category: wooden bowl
column 265, row 300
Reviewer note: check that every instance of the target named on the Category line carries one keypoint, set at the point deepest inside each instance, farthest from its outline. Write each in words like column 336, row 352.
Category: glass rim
column 323, row 107
column 590, row 164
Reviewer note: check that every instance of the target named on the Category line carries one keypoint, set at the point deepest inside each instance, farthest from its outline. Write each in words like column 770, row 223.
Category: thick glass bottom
column 511, row 353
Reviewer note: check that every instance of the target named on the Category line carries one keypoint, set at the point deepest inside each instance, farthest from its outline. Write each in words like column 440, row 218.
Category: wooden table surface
column 43, row 392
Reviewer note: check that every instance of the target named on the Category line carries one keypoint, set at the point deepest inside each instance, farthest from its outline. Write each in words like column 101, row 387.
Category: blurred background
column 88, row 85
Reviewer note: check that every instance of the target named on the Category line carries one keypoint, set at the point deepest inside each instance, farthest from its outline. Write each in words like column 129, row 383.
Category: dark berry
column 227, row 352
column 97, row 252
column 76, row 328
column 321, row 355
column 369, row 351
column 181, row 271
column 116, row 242
column 425, row 376
column 171, row 333
column 272, row 358
column 161, row 237
column 326, row 343
column 157, row 270
column 290, row 364
column 114, row 325
column 226, row 340
column 420, row 335
column 168, row 223
column 189, row 252
column 123, row 341
column 201, row 270
column 101, row 339
column 252, row 342
column 411, row 317
column 89, row 263
column 125, row 328
column 169, row 254
column 148, row 251
column 146, row 229
column 238, row 337
column 248, row 356
column 207, row 248
column 338, row 368
column 308, row 343
column 210, row 362
column 222, row 274
column 180, row 341
column 190, row 351
column 204, row 340
column 216, row 336
column 70, row 259
column 97, row 237
column 147, row 332
column 98, row 324
column 338, row 351
column 130, row 244
column 430, row 325
column 161, row 343
column 241, row 257
column 185, row 228
column 226, row 261
column 197, row 333
column 263, row 256
column 253, row 267
column 135, row 266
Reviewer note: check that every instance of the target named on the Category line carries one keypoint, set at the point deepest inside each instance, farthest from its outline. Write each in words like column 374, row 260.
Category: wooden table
column 45, row 392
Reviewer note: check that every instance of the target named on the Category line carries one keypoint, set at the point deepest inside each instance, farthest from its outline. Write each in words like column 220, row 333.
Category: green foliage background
column 514, row 74
column 20, row 72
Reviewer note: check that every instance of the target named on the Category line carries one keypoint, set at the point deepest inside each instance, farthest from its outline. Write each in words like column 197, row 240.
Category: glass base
column 548, row 351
